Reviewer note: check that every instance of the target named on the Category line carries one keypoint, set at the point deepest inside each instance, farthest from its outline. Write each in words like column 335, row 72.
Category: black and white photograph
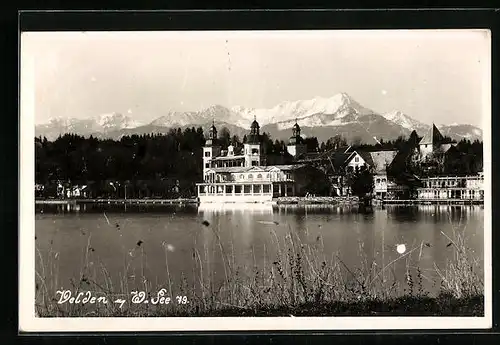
column 255, row 180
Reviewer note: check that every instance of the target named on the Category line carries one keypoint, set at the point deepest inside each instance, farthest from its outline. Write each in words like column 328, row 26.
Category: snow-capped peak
column 400, row 118
column 336, row 105
column 115, row 121
column 215, row 112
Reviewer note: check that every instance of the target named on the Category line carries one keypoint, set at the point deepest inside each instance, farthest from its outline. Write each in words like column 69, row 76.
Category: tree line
column 170, row 164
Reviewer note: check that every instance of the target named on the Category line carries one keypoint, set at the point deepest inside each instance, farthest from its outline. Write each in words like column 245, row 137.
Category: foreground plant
column 295, row 278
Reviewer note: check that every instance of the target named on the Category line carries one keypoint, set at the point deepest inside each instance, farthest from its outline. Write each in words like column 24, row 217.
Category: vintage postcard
column 251, row 180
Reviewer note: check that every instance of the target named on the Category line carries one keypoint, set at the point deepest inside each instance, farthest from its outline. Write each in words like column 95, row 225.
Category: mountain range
column 319, row 117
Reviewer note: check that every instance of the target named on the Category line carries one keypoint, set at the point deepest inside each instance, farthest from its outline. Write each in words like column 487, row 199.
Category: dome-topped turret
column 295, row 138
column 212, row 135
column 212, row 132
column 296, row 129
column 255, row 125
column 254, row 137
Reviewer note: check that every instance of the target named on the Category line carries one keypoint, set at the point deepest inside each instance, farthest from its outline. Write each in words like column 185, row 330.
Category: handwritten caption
column 137, row 297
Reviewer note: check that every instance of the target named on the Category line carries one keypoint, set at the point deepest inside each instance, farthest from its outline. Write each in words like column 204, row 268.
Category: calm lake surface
column 142, row 241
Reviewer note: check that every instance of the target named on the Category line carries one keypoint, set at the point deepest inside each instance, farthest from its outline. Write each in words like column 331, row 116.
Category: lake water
column 131, row 243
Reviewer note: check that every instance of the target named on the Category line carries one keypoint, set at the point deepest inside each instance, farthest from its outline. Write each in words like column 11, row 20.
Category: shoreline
column 116, row 201
column 317, row 200
column 335, row 201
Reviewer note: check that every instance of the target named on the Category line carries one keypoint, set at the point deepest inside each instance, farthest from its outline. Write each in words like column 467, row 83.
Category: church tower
column 253, row 147
column 211, row 148
column 296, row 146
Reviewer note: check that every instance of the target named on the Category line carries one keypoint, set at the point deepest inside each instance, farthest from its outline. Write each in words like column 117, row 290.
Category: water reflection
column 250, row 234
column 241, row 208
column 113, row 208
column 433, row 213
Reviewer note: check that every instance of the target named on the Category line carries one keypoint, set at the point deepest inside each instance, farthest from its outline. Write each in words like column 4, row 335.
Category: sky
column 432, row 76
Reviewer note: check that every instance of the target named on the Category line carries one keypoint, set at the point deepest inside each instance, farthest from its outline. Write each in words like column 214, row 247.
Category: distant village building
column 343, row 160
column 79, row 191
column 383, row 185
column 230, row 176
column 433, row 143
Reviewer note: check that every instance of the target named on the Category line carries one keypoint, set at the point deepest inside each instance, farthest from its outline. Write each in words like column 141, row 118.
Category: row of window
column 449, row 184
column 259, row 176
column 228, row 164
column 253, row 152
column 444, row 183
column 250, row 176
column 453, row 192
column 381, row 180
column 246, row 189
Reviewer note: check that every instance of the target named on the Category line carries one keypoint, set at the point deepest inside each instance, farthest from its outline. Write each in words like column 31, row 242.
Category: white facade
column 247, row 184
column 380, row 185
column 209, row 152
column 355, row 160
column 426, row 150
column 452, row 187
column 249, row 174
column 235, row 192
column 230, row 178
column 296, row 149
column 253, row 155
column 296, row 145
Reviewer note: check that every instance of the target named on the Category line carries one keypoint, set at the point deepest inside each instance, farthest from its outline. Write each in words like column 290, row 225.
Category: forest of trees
column 141, row 165
column 170, row 164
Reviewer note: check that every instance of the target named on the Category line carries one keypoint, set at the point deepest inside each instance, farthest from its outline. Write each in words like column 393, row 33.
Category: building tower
column 296, row 146
column 211, row 148
column 431, row 141
column 253, row 147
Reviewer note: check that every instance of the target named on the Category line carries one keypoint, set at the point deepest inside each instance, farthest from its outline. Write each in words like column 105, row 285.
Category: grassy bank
column 296, row 277
column 402, row 306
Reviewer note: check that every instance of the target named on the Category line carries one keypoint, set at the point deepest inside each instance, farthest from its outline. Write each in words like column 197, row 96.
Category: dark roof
column 367, row 157
column 287, row 167
column 295, row 140
column 339, row 159
column 227, row 157
column 382, row 159
column 319, row 156
column 253, row 139
column 433, row 136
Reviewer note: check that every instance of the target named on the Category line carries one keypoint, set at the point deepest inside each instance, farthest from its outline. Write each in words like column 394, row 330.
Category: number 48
column 182, row 299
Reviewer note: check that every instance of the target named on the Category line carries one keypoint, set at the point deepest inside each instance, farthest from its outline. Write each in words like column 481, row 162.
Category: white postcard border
column 28, row 322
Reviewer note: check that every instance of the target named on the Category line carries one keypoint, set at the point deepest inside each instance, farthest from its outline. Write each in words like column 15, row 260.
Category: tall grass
column 294, row 275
